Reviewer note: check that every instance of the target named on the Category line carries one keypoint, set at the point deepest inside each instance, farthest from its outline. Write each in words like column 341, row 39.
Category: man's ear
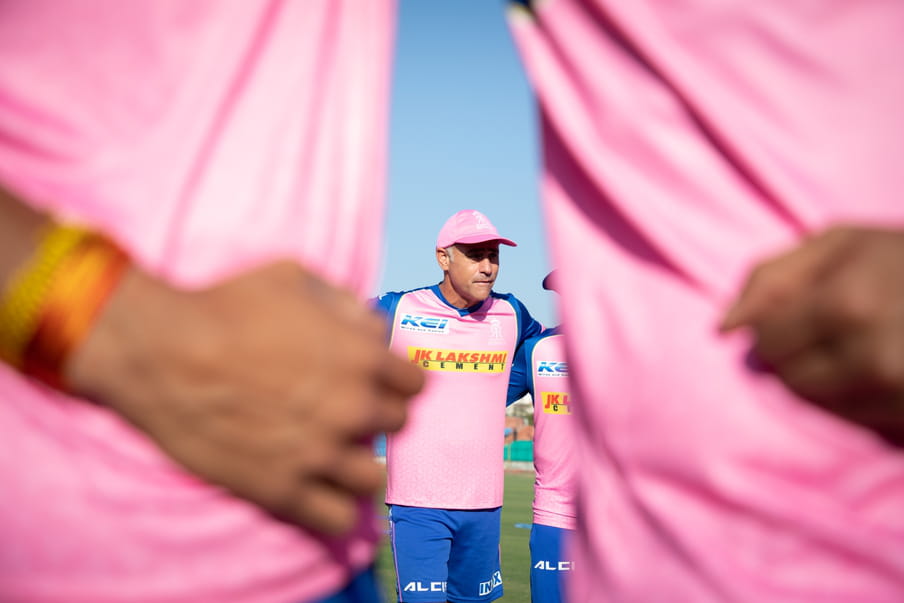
column 442, row 258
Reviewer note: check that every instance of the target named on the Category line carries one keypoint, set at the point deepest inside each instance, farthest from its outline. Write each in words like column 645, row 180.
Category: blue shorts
column 549, row 564
column 444, row 555
column 363, row 588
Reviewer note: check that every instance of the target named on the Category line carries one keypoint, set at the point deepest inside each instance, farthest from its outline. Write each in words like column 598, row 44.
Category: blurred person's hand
column 828, row 319
column 269, row 385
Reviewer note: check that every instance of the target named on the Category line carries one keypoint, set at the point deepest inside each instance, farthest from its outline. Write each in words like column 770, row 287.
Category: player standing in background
column 541, row 370
column 684, row 142
column 445, row 468
column 201, row 401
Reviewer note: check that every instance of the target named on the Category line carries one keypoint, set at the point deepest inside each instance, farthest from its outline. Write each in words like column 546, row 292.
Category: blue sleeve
column 387, row 304
column 527, row 324
column 520, row 381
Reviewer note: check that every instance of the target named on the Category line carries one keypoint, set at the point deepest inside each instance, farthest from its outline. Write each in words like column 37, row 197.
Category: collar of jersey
column 461, row 311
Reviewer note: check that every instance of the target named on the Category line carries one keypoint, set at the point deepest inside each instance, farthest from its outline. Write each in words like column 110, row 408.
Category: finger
column 817, row 375
column 399, row 375
column 836, row 376
column 356, row 471
column 774, row 281
column 344, row 305
column 788, row 331
column 324, row 507
column 374, row 324
column 356, row 414
column 872, row 363
column 391, row 412
column 361, row 407
column 283, row 269
column 877, row 411
column 881, row 414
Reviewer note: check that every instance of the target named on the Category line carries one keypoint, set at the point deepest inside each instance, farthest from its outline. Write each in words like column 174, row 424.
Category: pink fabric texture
column 555, row 454
column 683, row 141
column 207, row 137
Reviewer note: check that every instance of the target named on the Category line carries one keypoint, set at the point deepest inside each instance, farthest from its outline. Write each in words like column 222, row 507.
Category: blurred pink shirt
column 207, row 136
column 555, row 460
column 683, row 141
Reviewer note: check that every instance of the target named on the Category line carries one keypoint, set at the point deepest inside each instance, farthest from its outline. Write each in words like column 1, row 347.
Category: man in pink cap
column 445, row 471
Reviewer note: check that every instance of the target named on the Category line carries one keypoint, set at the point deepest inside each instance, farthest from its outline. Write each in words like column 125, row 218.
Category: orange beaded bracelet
column 49, row 306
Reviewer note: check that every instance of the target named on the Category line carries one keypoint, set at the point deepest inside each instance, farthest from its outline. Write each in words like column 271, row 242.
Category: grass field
column 519, row 492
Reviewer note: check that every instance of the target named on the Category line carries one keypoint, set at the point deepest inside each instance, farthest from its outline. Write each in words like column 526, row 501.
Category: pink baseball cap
column 469, row 226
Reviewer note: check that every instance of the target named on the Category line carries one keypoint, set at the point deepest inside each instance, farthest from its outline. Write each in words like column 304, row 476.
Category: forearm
column 20, row 226
column 267, row 384
column 114, row 364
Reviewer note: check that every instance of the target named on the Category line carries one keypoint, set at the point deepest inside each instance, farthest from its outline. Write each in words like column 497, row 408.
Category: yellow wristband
column 78, row 292
column 22, row 299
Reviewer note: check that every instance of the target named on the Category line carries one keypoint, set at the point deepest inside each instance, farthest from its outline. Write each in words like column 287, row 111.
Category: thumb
column 774, row 282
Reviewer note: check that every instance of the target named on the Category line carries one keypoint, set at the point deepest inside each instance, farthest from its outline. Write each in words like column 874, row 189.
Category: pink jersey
column 206, row 136
column 541, row 369
column 449, row 455
column 683, row 141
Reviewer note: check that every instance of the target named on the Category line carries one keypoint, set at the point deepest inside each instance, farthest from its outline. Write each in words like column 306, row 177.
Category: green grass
column 516, row 509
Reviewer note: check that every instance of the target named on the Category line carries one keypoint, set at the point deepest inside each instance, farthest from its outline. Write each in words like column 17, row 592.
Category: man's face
column 470, row 272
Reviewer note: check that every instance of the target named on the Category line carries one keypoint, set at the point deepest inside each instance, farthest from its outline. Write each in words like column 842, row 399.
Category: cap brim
column 549, row 283
column 480, row 238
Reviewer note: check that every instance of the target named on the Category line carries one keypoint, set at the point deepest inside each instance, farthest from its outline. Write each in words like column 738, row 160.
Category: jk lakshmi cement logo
column 463, row 361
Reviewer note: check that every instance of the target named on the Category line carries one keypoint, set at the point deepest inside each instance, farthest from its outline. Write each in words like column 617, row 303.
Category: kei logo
column 552, row 368
column 424, row 324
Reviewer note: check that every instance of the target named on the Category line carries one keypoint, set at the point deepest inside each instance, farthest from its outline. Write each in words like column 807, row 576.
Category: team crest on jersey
column 424, row 324
column 462, row 361
column 555, row 403
column 496, row 336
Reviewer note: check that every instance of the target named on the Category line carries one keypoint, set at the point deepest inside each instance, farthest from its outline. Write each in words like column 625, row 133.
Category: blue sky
column 463, row 136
